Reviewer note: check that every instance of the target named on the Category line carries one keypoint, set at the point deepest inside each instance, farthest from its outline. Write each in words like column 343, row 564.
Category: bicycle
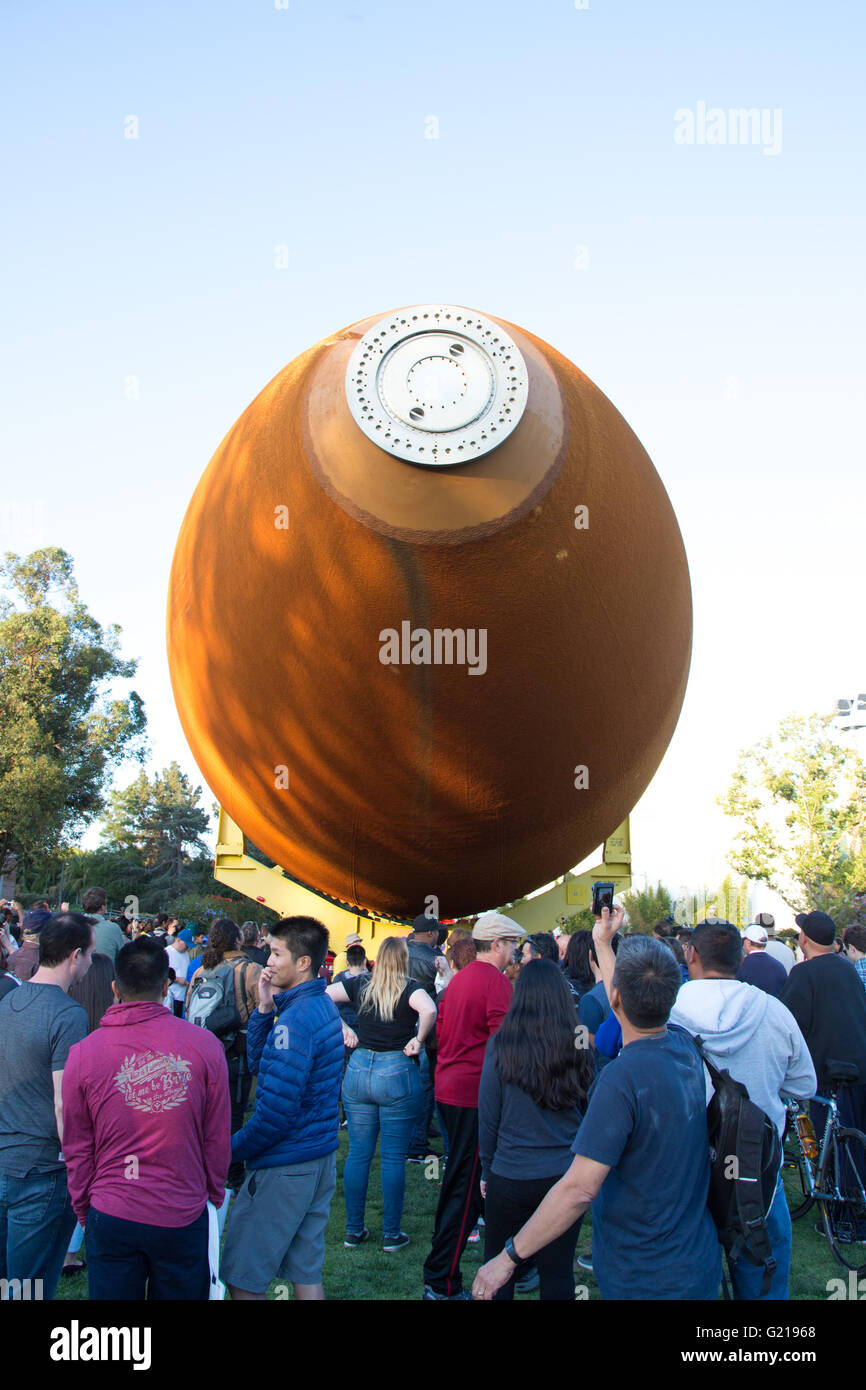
column 833, row 1176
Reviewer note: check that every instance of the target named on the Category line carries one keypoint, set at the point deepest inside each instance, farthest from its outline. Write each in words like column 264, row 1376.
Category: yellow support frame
column 574, row 891
column 276, row 890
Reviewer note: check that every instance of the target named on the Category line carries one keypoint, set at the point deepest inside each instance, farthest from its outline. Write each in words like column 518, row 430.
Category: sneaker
column 474, row 1237
column 585, row 1261
column 528, row 1282
column 344, row 1124
column 397, row 1242
column 421, row 1158
column 431, row 1296
column 354, row 1239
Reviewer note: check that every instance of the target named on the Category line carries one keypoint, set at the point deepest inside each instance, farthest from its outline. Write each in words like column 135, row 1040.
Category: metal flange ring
column 437, row 384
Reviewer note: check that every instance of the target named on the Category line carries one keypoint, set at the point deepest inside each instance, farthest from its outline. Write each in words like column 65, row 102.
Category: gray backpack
column 212, row 1003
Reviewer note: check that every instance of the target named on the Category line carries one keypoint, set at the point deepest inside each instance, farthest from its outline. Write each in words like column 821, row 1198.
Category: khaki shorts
column 276, row 1225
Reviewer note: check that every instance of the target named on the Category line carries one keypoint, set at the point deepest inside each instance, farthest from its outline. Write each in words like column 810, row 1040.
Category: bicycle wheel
column 844, row 1176
column 795, row 1179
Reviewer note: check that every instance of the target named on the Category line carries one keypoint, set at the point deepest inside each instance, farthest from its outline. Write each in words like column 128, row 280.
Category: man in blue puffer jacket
column 295, row 1046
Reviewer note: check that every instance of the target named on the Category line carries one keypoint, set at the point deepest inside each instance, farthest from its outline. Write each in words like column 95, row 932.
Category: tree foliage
column 799, row 797
column 64, row 877
column 646, row 906
column 202, row 907
column 60, row 734
column 581, row 920
column 162, row 822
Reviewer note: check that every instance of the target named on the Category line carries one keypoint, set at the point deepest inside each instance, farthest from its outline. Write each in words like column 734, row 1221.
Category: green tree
column 581, row 920
column 646, row 906
column 163, row 822
column 800, row 799
column 63, row 877
column 60, row 735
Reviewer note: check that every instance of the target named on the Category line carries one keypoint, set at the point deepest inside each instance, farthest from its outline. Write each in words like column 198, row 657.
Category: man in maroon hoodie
column 146, row 1138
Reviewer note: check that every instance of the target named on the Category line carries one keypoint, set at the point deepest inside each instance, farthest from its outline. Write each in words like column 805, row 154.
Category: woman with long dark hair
column 532, row 1097
column 93, row 990
column 577, row 965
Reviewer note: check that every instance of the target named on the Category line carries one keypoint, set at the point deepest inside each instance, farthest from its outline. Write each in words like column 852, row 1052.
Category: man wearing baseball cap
column 757, row 968
column 425, row 963
column 470, row 1011
column 776, row 949
column 25, row 961
column 341, row 960
column 826, row 998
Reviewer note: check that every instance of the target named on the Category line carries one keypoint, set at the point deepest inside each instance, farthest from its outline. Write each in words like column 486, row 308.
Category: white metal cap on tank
column 436, row 384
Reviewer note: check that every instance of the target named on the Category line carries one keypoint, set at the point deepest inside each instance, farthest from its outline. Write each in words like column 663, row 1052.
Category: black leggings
column 240, row 1083
column 509, row 1204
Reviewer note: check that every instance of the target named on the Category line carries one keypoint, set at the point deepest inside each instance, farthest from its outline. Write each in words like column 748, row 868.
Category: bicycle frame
column 813, row 1167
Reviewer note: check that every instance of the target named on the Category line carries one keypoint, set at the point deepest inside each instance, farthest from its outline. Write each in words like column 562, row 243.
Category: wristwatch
column 511, row 1252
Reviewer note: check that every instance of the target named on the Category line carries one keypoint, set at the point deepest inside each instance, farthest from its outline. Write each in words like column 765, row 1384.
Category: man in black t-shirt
column 826, row 997
column 424, row 953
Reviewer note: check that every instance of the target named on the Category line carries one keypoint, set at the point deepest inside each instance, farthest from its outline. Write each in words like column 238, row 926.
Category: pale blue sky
column 720, row 306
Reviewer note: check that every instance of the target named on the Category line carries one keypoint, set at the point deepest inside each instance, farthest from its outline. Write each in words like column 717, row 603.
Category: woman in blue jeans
column 382, row 1088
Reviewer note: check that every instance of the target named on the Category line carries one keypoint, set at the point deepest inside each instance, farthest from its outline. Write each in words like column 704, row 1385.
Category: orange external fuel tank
column 429, row 618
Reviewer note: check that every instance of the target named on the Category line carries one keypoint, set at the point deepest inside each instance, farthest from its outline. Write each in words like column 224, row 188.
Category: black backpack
column 745, row 1159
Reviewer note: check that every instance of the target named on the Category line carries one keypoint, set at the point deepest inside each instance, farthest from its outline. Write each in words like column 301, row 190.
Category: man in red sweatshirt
column 146, row 1122
column 470, row 1011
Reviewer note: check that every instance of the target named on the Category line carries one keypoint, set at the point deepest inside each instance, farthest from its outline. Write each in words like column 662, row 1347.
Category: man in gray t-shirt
column 109, row 937
column 37, row 1029
column 39, row 1023
column 776, row 949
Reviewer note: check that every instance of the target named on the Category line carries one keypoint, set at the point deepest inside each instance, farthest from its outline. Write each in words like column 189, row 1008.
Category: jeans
column 419, row 1145
column 746, row 1278
column 36, row 1221
column 381, row 1091
column 125, row 1258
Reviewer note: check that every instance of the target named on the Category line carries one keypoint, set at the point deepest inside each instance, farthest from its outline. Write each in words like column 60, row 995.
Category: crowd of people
column 560, row 1072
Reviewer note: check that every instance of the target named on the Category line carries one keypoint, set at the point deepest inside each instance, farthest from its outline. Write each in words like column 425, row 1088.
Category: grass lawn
column 366, row 1272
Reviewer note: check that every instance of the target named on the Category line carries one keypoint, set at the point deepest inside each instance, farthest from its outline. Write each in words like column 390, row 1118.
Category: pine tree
column 163, row 822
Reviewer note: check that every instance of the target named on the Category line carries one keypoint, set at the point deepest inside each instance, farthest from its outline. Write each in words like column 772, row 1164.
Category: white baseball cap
column 756, row 934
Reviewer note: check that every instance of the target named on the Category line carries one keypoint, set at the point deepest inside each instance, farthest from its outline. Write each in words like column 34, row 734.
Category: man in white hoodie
column 750, row 1034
